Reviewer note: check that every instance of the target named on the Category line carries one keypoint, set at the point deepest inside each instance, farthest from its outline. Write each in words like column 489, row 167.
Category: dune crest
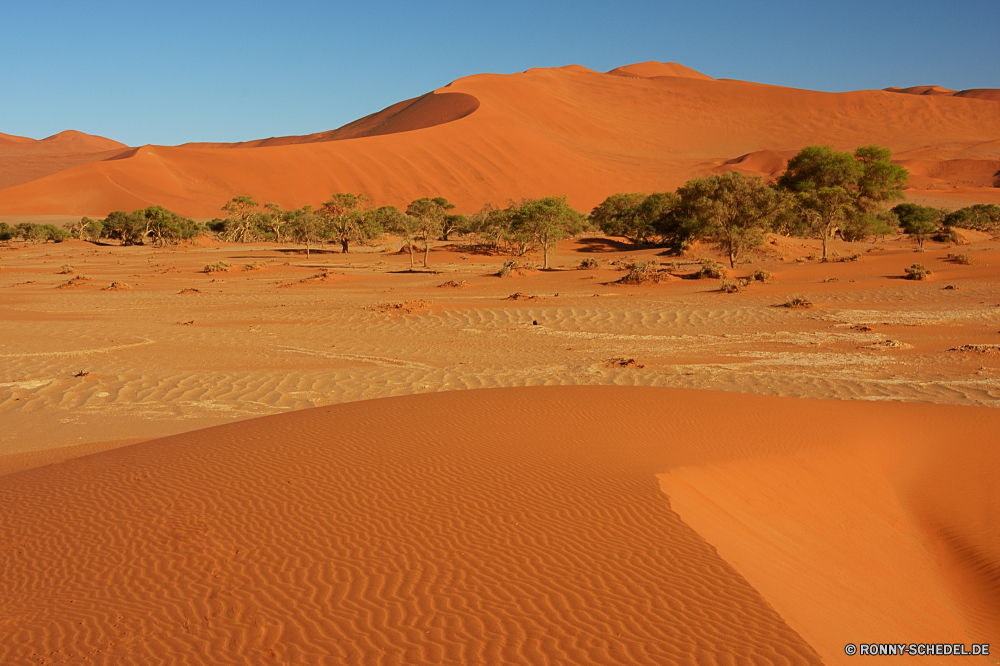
column 565, row 130
column 23, row 159
column 651, row 69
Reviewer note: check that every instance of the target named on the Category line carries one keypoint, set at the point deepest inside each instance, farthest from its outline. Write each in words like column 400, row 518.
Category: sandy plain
column 747, row 490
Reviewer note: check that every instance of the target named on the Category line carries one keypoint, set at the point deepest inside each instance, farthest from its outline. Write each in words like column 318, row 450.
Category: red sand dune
column 23, row 160
column 565, row 130
column 991, row 94
column 514, row 526
column 652, row 69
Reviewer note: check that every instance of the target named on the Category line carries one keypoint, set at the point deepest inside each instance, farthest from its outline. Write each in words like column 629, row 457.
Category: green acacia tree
column 546, row 221
column 346, row 220
column 128, row 228
column 429, row 215
column 276, row 220
column 242, row 219
column 735, row 209
column 919, row 222
column 306, row 227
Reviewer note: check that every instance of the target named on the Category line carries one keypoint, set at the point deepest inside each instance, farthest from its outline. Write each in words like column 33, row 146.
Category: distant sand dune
column 566, row 130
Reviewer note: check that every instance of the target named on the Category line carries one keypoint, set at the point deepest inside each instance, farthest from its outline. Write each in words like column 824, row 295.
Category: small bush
column 250, row 267
column 589, row 264
column 917, row 272
column 797, row 304
column 218, row 267
column 508, row 268
column 710, row 268
column 852, row 257
column 963, row 258
column 642, row 272
column 729, row 286
column 761, row 275
column 67, row 270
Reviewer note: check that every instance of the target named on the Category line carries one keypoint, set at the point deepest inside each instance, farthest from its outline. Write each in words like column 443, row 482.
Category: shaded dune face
column 480, row 527
column 23, row 160
column 473, row 527
column 430, row 110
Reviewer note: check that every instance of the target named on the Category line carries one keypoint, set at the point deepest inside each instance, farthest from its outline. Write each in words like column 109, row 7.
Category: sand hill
column 567, row 130
column 513, row 526
column 23, row 160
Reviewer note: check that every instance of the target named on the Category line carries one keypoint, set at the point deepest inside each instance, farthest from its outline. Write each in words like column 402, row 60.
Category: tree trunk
column 307, row 248
column 409, row 246
column 826, row 240
column 427, row 251
column 343, row 245
column 732, row 258
column 545, row 256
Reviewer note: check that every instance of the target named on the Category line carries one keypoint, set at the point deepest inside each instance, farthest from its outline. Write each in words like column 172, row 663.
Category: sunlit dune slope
column 564, row 130
column 506, row 526
column 23, row 160
column 991, row 94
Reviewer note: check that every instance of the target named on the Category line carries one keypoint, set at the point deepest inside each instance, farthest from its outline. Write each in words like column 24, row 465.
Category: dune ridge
column 23, row 159
column 530, row 530
column 566, row 130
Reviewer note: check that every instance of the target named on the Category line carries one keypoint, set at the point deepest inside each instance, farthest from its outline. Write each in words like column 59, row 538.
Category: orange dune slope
column 23, row 160
column 565, row 130
column 505, row 526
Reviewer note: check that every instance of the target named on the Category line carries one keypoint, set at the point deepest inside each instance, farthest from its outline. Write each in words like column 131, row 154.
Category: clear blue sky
column 148, row 71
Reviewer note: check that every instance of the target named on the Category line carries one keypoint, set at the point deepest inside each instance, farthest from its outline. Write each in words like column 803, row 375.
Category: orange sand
column 508, row 526
column 568, row 130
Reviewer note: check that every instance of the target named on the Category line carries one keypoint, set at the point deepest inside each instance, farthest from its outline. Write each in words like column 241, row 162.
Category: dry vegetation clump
column 452, row 284
column 797, row 304
column 189, row 290
column 641, row 272
column 119, row 286
column 510, row 268
column 75, row 281
column 622, row 362
column 917, row 272
column 951, row 287
column 761, row 275
column 218, row 267
column 978, row 349
column 319, row 278
column 589, row 264
column 710, row 268
column 963, row 258
column 889, row 344
column 253, row 266
column 851, row 257
column 406, row 307
column 69, row 270
column 518, row 296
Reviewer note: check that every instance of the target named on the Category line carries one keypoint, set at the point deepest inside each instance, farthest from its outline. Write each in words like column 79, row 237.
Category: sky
column 179, row 71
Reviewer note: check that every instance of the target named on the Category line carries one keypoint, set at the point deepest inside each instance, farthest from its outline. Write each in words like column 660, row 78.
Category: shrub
column 729, row 286
column 797, row 304
column 67, row 270
column 917, row 272
column 218, row 267
column 962, row 258
column 641, row 272
column 710, row 268
column 761, row 275
column 589, row 263
column 250, row 267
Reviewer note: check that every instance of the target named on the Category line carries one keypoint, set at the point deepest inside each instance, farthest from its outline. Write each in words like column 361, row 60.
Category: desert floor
column 776, row 514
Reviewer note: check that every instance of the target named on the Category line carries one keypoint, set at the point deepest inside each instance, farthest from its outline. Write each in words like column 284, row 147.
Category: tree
column 165, row 226
column 306, row 227
column 276, row 219
column 403, row 225
column 547, row 221
column 345, row 219
column 611, row 214
column 85, row 229
column 242, row 219
column 979, row 217
column 129, row 228
column 491, row 225
column 835, row 189
column 824, row 183
column 736, row 209
column 920, row 222
column 430, row 214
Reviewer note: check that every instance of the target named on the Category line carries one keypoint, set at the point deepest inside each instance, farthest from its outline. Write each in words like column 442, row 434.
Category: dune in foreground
column 566, row 130
column 496, row 527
